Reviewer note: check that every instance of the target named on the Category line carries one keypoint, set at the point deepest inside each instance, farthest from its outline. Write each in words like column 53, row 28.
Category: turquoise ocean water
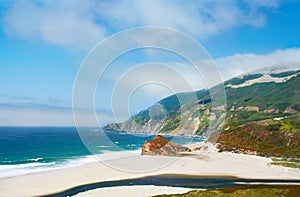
column 31, row 149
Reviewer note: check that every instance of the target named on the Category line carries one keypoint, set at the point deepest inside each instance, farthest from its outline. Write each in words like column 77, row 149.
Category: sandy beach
column 134, row 166
column 133, row 191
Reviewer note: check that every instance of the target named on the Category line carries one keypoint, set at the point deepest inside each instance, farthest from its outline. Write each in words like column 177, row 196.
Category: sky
column 43, row 44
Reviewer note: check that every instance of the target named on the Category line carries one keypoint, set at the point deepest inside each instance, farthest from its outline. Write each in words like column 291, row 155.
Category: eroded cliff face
column 186, row 121
column 131, row 125
column 147, row 121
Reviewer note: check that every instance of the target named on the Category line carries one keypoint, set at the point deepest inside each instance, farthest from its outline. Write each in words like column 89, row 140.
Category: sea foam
column 35, row 166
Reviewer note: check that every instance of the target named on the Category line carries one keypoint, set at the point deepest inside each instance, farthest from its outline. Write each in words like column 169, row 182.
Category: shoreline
column 36, row 167
column 11, row 170
column 213, row 164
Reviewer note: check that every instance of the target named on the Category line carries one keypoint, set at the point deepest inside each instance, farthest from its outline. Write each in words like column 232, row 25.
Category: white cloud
column 242, row 63
column 256, row 4
column 82, row 23
column 60, row 22
column 197, row 18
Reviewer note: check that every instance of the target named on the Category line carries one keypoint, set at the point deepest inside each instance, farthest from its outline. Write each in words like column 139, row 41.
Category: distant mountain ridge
column 250, row 97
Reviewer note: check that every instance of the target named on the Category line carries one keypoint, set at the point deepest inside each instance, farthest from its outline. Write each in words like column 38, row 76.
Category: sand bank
column 133, row 191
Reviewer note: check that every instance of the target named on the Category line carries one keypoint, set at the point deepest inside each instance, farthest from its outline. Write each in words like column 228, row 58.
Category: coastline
column 213, row 164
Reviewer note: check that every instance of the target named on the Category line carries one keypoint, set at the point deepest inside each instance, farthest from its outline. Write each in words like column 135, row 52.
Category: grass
column 283, row 74
column 285, row 163
column 247, row 191
column 267, row 137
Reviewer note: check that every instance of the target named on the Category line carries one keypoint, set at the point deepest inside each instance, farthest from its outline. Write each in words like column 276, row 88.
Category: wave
column 19, row 169
column 103, row 146
column 25, row 161
column 132, row 145
column 27, row 165
column 36, row 159
column 36, row 166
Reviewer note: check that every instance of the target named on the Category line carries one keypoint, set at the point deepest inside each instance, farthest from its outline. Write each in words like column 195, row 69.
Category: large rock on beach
column 162, row 146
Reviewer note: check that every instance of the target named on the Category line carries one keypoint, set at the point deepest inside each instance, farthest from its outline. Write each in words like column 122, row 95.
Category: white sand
column 218, row 164
column 133, row 191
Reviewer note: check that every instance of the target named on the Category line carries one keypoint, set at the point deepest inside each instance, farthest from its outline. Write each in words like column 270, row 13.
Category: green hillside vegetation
column 279, row 138
column 171, row 107
column 284, row 74
column 265, row 96
column 259, row 132
column 260, row 190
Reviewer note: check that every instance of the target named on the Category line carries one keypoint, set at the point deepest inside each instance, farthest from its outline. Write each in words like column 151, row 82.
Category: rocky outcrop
column 162, row 146
column 195, row 147
column 248, row 108
column 271, row 111
column 289, row 110
column 113, row 126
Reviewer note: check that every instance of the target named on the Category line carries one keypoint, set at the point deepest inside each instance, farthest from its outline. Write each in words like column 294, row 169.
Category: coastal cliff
column 262, row 113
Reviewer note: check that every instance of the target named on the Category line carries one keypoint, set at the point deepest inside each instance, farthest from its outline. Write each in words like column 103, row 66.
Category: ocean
column 31, row 149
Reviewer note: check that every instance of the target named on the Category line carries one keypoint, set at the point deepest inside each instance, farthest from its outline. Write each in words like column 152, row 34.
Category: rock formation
column 162, row 146
column 289, row 110
column 272, row 111
column 248, row 108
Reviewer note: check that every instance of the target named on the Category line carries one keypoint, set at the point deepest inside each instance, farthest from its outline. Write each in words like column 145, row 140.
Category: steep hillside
column 174, row 115
column 261, row 101
column 271, row 137
column 252, row 97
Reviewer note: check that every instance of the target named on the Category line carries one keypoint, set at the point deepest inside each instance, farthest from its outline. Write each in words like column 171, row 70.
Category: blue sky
column 44, row 42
